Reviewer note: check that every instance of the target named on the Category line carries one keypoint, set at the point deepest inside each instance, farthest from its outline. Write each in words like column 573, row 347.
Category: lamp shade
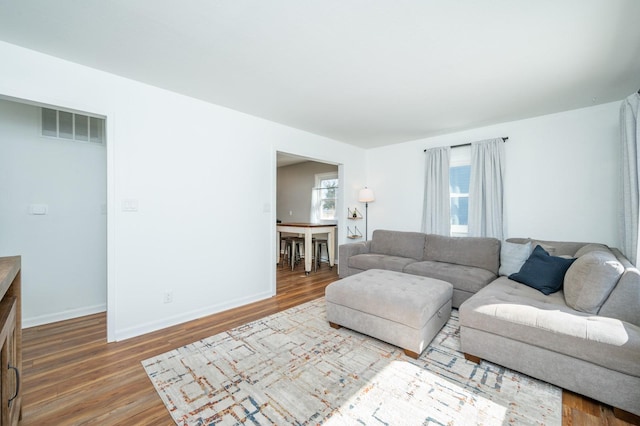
column 366, row 195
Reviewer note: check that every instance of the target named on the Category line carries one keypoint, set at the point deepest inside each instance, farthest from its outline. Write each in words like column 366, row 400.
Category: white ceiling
column 365, row 72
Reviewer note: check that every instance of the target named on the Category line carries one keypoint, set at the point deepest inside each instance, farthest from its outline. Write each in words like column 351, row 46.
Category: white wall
column 198, row 205
column 561, row 176
column 64, row 253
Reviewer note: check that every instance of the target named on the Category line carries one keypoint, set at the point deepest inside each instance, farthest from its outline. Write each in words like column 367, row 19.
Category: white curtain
column 486, row 212
column 629, row 132
column 436, row 217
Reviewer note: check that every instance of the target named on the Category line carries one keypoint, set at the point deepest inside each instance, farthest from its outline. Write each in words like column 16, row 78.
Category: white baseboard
column 61, row 316
column 149, row 327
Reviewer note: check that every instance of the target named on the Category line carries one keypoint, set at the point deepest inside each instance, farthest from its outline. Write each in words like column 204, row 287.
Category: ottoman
column 402, row 309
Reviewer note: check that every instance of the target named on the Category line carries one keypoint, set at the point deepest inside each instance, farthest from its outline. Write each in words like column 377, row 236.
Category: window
column 326, row 196
column 68, row 125
column 459, row 175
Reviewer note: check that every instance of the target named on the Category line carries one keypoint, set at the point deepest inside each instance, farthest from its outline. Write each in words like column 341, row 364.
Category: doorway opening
column 307, row 191
column 53, row 211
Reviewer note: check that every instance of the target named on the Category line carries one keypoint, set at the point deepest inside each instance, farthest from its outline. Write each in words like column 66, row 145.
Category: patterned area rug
column 292, row 368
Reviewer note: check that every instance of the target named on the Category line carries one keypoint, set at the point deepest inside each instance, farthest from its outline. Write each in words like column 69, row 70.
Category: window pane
column 96, row 127
column 65, row 122
column 459, row 210
column 49, row 122
column 327, row 193
column 82, row 127
column 328, row 210
column 459, row 179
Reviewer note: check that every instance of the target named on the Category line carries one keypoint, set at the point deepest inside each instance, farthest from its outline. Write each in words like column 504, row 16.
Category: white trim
column 62, row 316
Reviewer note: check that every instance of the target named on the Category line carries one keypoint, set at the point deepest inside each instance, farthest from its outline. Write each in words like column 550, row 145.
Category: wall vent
column 72, row 126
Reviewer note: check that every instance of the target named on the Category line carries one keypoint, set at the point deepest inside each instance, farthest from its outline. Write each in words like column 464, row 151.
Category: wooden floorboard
column 72, row 376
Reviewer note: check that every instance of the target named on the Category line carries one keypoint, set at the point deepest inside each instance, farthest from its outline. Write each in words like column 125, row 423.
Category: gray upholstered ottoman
column 401, row 309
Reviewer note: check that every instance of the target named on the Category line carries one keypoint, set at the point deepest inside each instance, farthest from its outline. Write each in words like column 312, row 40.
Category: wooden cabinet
column 10, row 341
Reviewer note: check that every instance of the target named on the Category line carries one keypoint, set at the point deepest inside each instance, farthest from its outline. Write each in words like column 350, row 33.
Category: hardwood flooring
column 72, row 376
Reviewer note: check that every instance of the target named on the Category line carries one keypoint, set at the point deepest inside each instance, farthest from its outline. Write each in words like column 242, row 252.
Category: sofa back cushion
column 398, row 243
column 554, row 248
column 590, row 280
column 591, row 247
column 479, row 252
column 624, row 300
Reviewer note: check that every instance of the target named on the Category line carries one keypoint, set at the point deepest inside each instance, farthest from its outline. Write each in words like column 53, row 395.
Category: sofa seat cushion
column 368, row 261
column 516, row 311
column 466, row 278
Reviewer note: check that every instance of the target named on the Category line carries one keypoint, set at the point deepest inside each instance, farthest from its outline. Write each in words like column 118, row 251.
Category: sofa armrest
column 345, row 251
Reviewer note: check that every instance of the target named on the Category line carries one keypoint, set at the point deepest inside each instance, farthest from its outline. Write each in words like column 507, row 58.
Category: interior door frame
column 339, row 205
column 66, row 104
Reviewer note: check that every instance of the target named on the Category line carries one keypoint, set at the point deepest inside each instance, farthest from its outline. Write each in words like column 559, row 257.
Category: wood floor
column 73, row 377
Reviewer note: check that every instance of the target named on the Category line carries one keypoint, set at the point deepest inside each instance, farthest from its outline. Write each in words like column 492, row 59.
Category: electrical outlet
column 168, row 296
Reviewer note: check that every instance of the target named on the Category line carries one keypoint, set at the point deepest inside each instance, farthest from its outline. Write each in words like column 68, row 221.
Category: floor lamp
column 366, row 196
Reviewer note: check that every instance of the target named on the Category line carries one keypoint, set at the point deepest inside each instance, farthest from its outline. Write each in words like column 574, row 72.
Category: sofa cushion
column 624, row 300
column 590, row 280
column 398, row 243
column 543, row 271
column 556, row 248
column 513, row 256
column 515, row 311
column 379, row 261
column 479, row 252
column 587, row 248
column 546, row 247
column 467, row 278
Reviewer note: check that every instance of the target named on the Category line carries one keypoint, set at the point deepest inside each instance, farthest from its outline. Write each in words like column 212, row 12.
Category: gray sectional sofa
column 469, row 264
column 584, row 337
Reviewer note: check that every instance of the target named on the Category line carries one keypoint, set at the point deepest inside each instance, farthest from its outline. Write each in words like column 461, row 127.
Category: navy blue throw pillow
column 543, row 271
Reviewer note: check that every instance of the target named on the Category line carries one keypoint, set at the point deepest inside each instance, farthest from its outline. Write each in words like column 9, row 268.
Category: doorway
column 297, row 200
column 53, row 211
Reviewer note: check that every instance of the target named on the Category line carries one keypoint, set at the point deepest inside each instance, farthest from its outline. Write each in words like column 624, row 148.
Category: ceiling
column 365, row 72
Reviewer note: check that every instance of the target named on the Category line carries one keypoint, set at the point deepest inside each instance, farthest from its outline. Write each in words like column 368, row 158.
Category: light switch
column 38, row 209
column 130, row 205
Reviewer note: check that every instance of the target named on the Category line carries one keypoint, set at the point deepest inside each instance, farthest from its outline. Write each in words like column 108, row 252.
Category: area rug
column 293, row 368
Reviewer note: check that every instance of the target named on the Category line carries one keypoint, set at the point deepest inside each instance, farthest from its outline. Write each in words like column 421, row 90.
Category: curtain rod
column 504, row 139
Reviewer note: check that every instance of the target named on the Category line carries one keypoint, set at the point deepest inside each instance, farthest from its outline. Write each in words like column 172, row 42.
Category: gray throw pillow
column 590, row 280
column 513, row 256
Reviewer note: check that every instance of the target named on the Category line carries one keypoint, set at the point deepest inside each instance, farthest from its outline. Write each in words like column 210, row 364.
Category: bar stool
column 317, row 251
column 284, row 254
column 293, row 250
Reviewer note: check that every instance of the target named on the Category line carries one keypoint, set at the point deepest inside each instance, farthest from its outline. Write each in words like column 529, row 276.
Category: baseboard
column 152, row 326
column 64, row 315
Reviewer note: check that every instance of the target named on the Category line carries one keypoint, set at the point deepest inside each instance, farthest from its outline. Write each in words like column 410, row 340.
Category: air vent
column 68, row 125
